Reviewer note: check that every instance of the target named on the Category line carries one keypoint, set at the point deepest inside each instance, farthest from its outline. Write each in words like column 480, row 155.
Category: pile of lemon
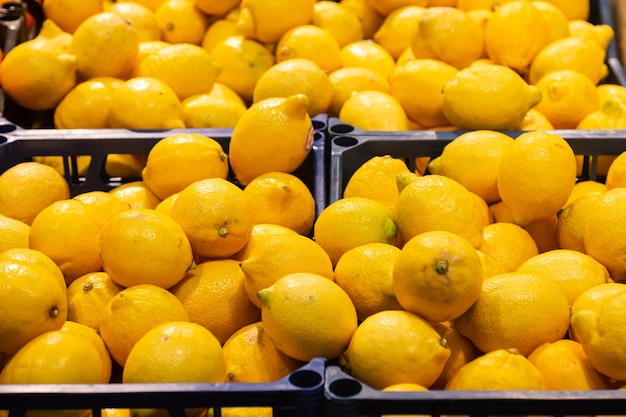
column 379, row 65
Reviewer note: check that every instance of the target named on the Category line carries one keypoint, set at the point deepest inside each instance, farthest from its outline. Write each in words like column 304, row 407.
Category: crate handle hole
column 345, row 141
column 345, row 387
column 342, row 128
column 7, row 128
column 3, row 139
column 305, row 379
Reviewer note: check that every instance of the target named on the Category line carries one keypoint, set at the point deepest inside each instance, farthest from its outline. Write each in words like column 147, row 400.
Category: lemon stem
column 54, row 312
column 222, row 231
column 441, row 267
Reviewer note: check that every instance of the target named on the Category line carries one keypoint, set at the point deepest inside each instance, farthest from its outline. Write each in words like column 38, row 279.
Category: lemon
column 218, row 31
column 105, row 44
column 368, row 54
column 176, row 351
column 216, row 7
column 165, row 206
column 32, row 256
column 531, row 310
column 573, row 9
column 265, row 260
column 610, row 115
column 565, row 366
column 420, row 209
column 498, row 370
column 259, row 231
column 253, row 149
column 68, row 231
column 488, row 97
column 212, row 111
column 398, row 29
column 385, row 7
column 140, row 17
column 215, row 215
column 180, row 159
column 414, row 351
column 473, row 159
column 437, row 275
column 307, row 316
column 51, row 36
column 535, row 120
column 600, row 333
column 450, row 35
column 345, row 81
column 136, row 194
column 145, row 103
column 87, row 105
column 87, row 296
column 571, row 225
column 252, row 357
column 134, row 311
column 268, row 20
column 243, row 62
column 296, row 76
column 188, row 69
column 374, row 110
column 572, row 53
column 462, row 351
column 306, row 41
column 37, row 77
column 602, row 34
column 616, row 174
column 508, row 244
column 33, row 299
column 558, row 23
column 366, row 274
column 14, row 233
column 68, row 15
column 417, row 86
column 144, row 246
column 181, row 21
column 583, row 188
column 592, row 299
column 515, row 33
column 351, row 222
column 221, row 284
column 544, row 233
column 548, row 179
column 93, row 337
column 283, row 199
column 342, row 22
column 370, row 18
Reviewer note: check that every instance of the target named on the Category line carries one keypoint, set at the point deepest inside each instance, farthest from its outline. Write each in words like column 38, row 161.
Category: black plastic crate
column 299, row 394
column 347, row 397
column 349, row 151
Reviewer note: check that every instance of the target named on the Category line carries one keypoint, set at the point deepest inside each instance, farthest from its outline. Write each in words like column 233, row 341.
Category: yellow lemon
column 549, row 168
column 573, row 53
column 531, row 310
column 145, row 49
column 177, row 351
column 573, row 9
column 144, row 246
column 535, row 120
column 498, row 370
column 216, row 7
column 243, row 62
column 259, row 231
column 473, row 159
column 508, row 244
column 87, row 105
column 602, row 34
column 188, row 69
column 488, row 97
column 32, row 256
column 136, row 194
column 437, row 275
column 565, row 366
column 609, row 115
column 417, row 86
column 557, row 21
column 215, row 215
column 370, row 18
column 68, row 15
column 296, row 76
column 145, row 103
column 93, row 337
column 105, row 44
column 342, row 22
column 37, row 77
column 414, row 351
column 150, row 4
column 398, row 29
column 306, row 41
column 385, row 7
column 468, row 5
column 544, row 233
column 253, row 148
column 33, row 301
column 181, row 21
column 134, row 311
column 140, row 17
column 252, row 357
column 282, row 199
column 586, row 187
column 180, row 159
column 420, row 209
column 515, row 33
column 268, row 20
column 376, row 179
column 13, row 233
column 212, row 110
column 567, row 97
column 165, row 206
column 87, row 296
column 366, row 274
column 490, row 266
column 218, row 31
column 266, row 260
column 448, row 34
column 462, row 351
column 368, row 54
column 105, row 205
column 616, row 174
column 600, row 332
column 572, row 219
column 592, row 299
column 221, row 284
column 347, row 80
column 374, row 110
column 68, row 232
column 351, row 222
column 307, row 316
